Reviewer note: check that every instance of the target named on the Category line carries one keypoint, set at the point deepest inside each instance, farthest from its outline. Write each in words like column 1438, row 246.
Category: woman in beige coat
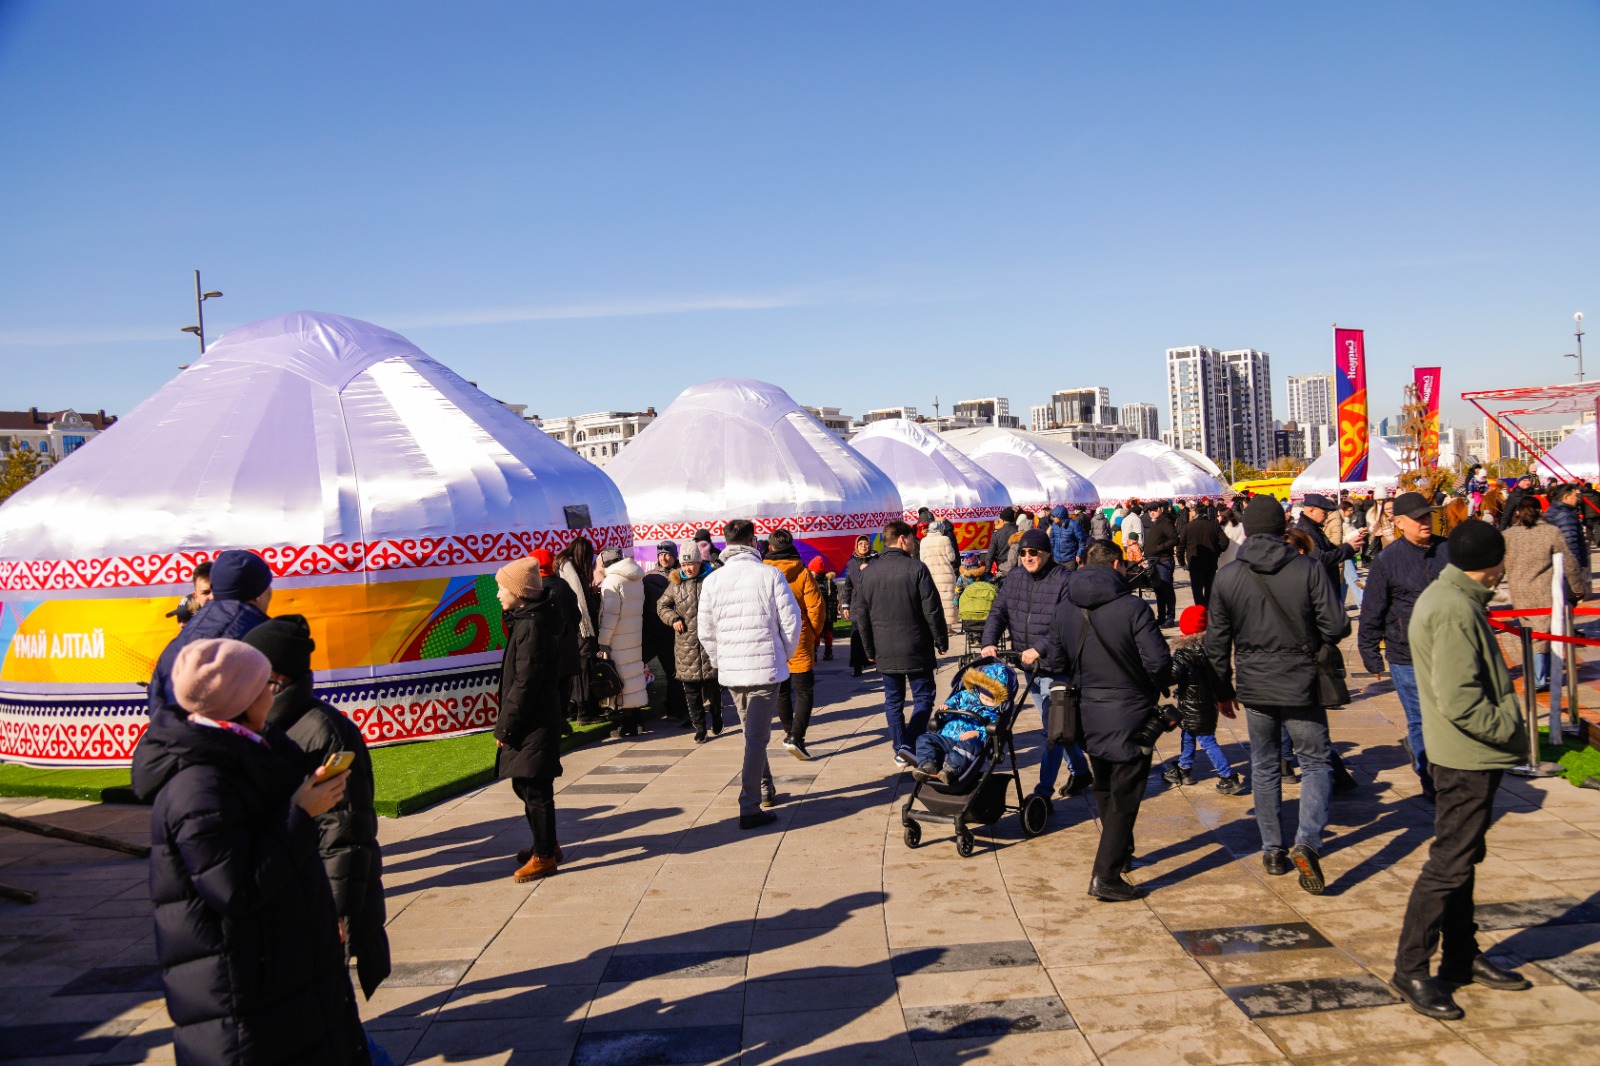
column 939, row 556
column 1531, row 542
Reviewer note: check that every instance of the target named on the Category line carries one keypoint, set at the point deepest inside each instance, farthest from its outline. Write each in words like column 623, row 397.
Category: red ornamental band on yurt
column 931, row 472
column 739, row 448
column 382, row 490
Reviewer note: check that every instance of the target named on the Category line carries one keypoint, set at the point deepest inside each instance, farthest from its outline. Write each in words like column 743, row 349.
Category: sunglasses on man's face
column 1033, row 551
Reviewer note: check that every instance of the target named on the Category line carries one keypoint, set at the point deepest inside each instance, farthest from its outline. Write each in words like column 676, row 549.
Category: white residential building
column 1249, row 405
column 1098, row 441
column 883, row 413
column 599, row 436
column 1220, row 403
column 1040, row 416
column 1311, row 399
column 989, row 411
column 832, row 418
column 1090, row 406
column 51, row 435
column 1144, row 419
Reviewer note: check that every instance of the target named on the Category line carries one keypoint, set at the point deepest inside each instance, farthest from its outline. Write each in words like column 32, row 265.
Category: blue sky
column 591, row 206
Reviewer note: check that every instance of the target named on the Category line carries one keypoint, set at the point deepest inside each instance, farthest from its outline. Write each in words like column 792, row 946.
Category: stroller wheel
column 1035, row 815
column 913, row 834
column 965, row 844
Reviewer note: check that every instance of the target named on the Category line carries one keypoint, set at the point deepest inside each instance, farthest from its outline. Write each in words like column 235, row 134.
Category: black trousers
column 858, row 650
column 795, row 699
column 1200, row 577
column 704, row 699
column 1441, row 905
column 1166, row 596
column 1118, row 791
column 675, row 705
column 539, row 803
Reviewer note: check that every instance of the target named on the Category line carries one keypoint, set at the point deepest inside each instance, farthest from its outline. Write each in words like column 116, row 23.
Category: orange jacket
column 813, row 611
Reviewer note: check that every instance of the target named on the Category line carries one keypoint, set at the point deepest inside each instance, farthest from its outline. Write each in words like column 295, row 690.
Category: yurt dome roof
column 929, row 471
column 1032, row 476
column 1151, row 470
column 1383, row 472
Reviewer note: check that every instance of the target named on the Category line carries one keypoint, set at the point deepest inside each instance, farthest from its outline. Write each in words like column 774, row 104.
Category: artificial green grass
column 1579, row 761
column 408, row 777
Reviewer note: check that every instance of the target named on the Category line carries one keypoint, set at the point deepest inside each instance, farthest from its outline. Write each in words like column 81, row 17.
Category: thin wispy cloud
column 58, row 337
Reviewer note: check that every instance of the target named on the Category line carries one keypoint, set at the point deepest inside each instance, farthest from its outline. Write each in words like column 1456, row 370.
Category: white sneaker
column 902, row 763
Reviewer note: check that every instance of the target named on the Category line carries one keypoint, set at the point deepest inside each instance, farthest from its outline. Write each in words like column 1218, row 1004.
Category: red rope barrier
column 1543, row 612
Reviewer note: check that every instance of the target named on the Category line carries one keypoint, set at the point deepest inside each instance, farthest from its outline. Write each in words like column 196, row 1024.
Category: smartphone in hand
column 338, row 763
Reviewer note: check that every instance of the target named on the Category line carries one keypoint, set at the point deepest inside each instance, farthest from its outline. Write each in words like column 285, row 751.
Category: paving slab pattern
column 669, row 936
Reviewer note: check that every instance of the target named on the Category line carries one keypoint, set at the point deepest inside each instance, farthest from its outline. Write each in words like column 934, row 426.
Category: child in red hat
column 1199, row 698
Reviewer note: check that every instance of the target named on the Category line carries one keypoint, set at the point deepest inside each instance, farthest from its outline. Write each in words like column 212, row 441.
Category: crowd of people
column 266, row 873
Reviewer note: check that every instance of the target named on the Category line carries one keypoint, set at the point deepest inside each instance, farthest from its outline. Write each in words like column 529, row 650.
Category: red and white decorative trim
column 404, row 553
column 800, row 527
column 957, row 514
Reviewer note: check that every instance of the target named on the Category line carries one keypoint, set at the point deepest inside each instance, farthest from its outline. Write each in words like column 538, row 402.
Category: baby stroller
column 978, row 797
column 974, row 601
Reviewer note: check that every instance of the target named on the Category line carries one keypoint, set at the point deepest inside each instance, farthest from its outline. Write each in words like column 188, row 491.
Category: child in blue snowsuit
column 955, row 751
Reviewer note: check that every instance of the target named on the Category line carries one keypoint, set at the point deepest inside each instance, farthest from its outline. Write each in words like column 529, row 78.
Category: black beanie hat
column 1007, row 514
column 1036, row 539
column 286, row 642
column 1476, row 545
column 239, row 575
column 1264, row 514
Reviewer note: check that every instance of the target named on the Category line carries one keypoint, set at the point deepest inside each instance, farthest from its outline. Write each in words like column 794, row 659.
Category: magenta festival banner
column 1350, row 365
column 1427, row 382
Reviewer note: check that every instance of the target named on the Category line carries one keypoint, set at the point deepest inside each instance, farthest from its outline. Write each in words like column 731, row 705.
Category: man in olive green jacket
column 1472, row 730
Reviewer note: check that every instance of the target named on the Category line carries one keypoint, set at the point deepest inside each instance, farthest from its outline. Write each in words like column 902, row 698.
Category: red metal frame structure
column 1573, row 399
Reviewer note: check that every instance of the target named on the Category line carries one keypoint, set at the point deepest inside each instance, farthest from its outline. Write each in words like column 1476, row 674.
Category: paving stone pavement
column 669, row 936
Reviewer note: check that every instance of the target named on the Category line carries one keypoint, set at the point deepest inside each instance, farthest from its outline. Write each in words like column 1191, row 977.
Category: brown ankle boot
column 535, row 868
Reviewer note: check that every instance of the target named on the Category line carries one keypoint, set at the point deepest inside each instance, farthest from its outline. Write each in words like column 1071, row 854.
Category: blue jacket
column 219, row 618
column 965, row 713
column 1397, row 577
column 1066, row 540
column 1570, row 523
column 1024, row 607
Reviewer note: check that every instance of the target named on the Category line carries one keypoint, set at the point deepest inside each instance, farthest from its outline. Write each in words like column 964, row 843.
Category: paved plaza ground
column 669, row 936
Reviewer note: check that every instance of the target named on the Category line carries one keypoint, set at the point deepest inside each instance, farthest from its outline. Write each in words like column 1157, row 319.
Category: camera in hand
column 1164, row 719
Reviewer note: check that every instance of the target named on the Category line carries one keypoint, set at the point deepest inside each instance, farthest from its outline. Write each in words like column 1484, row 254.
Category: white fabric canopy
column 1383, row 472
column 737, row 448
column 1034, row 478
column 1151, row 470
column 1574, row 456
column 930, row 472
column 1081, row 462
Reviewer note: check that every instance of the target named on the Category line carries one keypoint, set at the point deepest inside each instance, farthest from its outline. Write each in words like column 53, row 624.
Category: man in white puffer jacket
column 750, row 627
column 621, row 635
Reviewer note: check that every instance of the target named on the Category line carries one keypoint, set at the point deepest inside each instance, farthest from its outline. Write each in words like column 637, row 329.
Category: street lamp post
column 1577, row 332
column 199, row 327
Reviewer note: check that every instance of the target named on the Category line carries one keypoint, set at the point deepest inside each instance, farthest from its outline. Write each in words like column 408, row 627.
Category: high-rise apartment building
column 1311, row 399
column 989, row 411
column 1144, row 419
column 1086, row 406
column 1220, row 403
column 883, row 413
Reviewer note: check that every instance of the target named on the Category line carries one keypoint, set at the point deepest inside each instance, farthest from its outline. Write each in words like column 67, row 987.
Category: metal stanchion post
column 1530, row 715
column 1574, row 726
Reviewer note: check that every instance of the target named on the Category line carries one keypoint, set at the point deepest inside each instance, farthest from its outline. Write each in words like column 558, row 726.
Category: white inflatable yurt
column 1035, row 479
column 737, row 448
column 1574, row 457
column 1383, row 473
column 1081, row 462
column 1151, row 470
column 931, row 472
column 381, row 488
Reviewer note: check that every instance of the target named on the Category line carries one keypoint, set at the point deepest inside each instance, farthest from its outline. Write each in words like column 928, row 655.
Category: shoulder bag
column 1331, row 688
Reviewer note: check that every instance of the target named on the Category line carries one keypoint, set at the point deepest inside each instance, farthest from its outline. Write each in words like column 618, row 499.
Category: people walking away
column 1271, row 609
column 1531, row 545
column 1397, row 577
column 659, row 657
column 1314, row 511
column 1473, row 728
column 750, row 626
column 348, row 833
column 902, row 627
column 1024, row 610
column 1203, row 544
column 575, row 568
column 679, row 608
column 241, row 590
column 797, row 692
column 1116, row 657
column 1099, row 526
column 1523, row 489
column 1160, row 541
column 1000, row 539
column 621, row 636
column 1180, row 521
column 1195, row 684
column 527, row 729
column 853, row 570
column 1066, row 540
column 830, row 603
column 939, row 556
column 1232, row 523
column 246, row 931
column 1563, row 514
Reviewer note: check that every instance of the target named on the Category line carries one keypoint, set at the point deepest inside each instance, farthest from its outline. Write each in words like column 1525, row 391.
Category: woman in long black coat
column 246, row 931
column 528, row 728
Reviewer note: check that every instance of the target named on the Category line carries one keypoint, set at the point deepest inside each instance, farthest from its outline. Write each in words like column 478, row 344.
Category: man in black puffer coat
column 1160, row 542
column 348, row 833
column 1117, row 658
column 1024, row 608
column 246, row 932
column 901, row 619
column 241, row 589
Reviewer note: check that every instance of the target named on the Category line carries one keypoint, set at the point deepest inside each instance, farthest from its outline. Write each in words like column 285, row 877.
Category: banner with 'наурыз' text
column 1427, row 384
column 1350, row 377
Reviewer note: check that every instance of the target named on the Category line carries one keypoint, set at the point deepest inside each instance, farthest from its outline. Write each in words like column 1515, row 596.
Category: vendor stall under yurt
column 930, row 472
column 382, row 490
column 1383, row 473
column 1035, row 479
column 737, row 448
column 1150, row 470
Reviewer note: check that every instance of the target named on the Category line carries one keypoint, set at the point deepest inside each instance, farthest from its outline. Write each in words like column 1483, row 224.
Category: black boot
column 1426, row 997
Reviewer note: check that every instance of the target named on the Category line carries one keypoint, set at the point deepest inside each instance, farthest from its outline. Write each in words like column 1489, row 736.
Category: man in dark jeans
column 901, row 620
column 1270, row 610
column 1473, row 727
column 1160, row 541
column 1119, row 660
column 1203, row 544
